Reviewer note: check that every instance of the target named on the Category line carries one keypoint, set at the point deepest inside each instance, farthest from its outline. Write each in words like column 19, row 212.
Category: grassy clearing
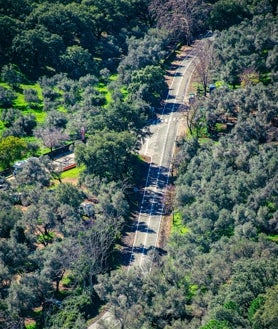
column 220, row 127
column 178, row 225
column 72, row 173
column 40, row 115
column 5, row 85
column 219, row 83
column 204, row 140
column 19, row 102
column 273, row 237
column 32, row 325
column 102, row 89
column 35, row 86
column 113, row 77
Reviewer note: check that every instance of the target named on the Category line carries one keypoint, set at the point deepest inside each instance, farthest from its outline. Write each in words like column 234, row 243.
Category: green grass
column 219, row 84
column 31, row 326
column 102, row 89
column 193, row 288
column 204, row 140
column 273, row 237
column 67, row 280
column 113, row 77
column 124, row 92
column 178, row 225
column 40, row 115
column 19, row 102
column 46, row 238
column 5, row 85
column 35, row 86
column 72, row 173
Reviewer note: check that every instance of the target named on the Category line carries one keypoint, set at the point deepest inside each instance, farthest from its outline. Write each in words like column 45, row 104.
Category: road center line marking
column 159, row 171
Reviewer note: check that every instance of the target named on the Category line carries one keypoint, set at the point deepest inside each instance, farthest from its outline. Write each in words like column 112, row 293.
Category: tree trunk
column 205, row 89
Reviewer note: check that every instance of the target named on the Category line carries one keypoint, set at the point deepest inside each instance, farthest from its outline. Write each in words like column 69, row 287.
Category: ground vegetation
column 92, row 72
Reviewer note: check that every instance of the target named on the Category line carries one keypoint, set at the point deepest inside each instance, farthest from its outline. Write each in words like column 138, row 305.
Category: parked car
column 191, row 98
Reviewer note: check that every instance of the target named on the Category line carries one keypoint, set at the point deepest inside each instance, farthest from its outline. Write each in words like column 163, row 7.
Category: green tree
column 8, row 218
column 28, row 293
column 55, row 263
column 106, row 154
column 33, row 172
column 266, row 316
column 11, row 149
column 148, row 50
column 7, row 97
column 22, row 126
column 14, row 255
column 121, row 115
column 11, row 75
column 9, row 27
column 31, row 96
column 71, row 314
column 69, row 194
column 56, row 119
column 123, row 291
column 226, row 13
column 149, row 83
column 77, row 61
column 39, row 48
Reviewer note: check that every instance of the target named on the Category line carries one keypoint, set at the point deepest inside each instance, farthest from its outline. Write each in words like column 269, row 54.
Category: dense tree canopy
column 93, row 72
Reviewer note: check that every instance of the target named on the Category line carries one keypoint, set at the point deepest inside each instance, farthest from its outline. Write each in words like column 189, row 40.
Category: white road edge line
column 168, row 175
column 161, row 159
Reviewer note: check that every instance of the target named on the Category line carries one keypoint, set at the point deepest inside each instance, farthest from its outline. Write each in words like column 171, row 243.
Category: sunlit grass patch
column 61, row 108
column 35, row 86
column 46, row 238
column 219, row 83
column 19, row 102
column 72, row 173
column 113, row 77
column 273, row 237
column 102, row 89
column 5, row 85
column 204, row 140
column 2, row 126
column 32, row 325
column 178, row 225
column 40, row 115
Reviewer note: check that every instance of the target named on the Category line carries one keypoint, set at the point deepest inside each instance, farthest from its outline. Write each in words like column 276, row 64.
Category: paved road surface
column 159, row 147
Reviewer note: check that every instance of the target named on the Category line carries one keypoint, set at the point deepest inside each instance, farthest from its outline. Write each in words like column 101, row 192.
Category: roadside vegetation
column 92, row 73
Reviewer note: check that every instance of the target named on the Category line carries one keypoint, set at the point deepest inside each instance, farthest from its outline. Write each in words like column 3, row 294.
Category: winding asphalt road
column 159, row 147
